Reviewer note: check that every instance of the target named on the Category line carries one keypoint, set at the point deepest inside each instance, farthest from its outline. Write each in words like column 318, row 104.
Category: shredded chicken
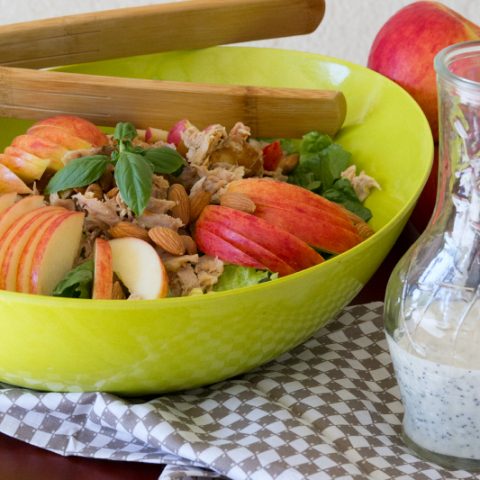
column 159, row 205
column 151, row 220
column 208, row 270
column 362, row 183
column 173, row 263
column 216, row 180
column 160, row 187
column 184, row 281
column 236, row 150
column 201, row 143
column 55, row 201
column 100, row 214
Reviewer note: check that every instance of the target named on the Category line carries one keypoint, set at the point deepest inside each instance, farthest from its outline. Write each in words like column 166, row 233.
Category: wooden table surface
column 21, row 461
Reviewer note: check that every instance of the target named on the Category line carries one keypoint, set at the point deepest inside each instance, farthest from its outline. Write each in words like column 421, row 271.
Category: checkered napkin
column 329, row 409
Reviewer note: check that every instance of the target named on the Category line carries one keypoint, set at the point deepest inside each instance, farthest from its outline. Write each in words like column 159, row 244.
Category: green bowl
column 139, row 347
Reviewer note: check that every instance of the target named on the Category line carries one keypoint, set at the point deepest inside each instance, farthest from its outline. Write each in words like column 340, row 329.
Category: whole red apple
column 406, row 45
column 404, row 50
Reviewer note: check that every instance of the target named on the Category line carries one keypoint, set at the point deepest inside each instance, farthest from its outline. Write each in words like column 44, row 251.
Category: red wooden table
column 21, row 461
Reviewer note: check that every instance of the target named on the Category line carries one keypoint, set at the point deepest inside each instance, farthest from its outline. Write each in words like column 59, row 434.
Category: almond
column 167, row 239
column 189, row 244
column 238, row 201
column 198, row 201
column 127, row 229
column 181, row 210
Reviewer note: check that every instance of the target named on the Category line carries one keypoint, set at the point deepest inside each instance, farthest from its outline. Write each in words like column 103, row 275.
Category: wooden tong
column 33, row 94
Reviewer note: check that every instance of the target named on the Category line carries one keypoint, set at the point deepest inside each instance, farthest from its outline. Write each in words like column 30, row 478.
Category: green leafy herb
column 133, row 175
column 290, row 145
column 321, row 162
column 77, row 283
column 124, row 132
column 134, row 168
column 164, row 160
column 342, row 192
column 78, row 173
column 235, row 276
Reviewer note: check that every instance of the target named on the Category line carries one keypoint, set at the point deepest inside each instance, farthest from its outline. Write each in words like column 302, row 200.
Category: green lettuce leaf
column 235, row 276
column 77, row 283
column 343, row 193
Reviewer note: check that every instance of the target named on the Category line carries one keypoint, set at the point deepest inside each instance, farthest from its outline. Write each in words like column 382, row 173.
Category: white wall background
column 347, row 31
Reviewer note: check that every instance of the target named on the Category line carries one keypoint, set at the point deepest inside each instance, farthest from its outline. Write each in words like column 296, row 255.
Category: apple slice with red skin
column 14, row 240
column 270, row 261
column 286, row 194
column 78, row 127
column 26, row 253
column 209, row 242
column 42, row 148
column 139, row 267
column 18, row 209
column 103, row 270
column 11, row 183
column 7, row 200
column 60, row 136
column 321, row 223
column 25, row 165
column 50, row 254
column 277, row 249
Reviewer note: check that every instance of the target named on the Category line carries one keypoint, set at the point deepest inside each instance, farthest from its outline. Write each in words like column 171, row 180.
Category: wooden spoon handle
column 141, row 30
column 270, row 112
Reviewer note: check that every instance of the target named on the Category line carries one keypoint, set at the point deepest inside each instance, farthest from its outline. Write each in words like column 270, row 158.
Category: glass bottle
column 432, row 303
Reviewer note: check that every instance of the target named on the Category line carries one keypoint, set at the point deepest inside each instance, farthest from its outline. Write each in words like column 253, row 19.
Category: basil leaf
column 77, row 283
column 343, row 193
column 133, row 175
column 124, row 131
column 78, row 173
column 164, row 159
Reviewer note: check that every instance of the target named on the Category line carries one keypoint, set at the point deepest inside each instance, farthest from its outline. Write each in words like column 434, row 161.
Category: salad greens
column 321, row 162
column 235, row 276
column 134, row 168
column 77, row 283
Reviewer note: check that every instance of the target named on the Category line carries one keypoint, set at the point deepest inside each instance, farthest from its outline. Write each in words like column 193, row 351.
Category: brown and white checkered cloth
column 328, row 409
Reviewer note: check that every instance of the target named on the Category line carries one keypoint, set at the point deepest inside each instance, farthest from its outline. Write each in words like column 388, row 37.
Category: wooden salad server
column 33, row 94
column 270, row 112
column 124, row 32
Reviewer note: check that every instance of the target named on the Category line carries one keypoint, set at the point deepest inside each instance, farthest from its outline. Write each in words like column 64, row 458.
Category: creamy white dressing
column 437, row 364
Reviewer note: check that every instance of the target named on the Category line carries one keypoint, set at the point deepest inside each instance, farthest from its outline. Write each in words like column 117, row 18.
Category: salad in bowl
column 145, row 214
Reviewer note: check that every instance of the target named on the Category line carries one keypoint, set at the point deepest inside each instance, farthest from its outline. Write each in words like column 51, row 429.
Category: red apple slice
column 7, row 200
column 24, row 265
column 60, row 136
column 78, row 127
column 268, row 191
column 323, row 224
column 27, row 166
column 50, row 254
column 276, row 247
column 18, row 209
column 42, row 149
column 139, row 267
column 14, row 240
column 209, row 242
column 270, row 261
column 103, row 270
column 10, row 182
